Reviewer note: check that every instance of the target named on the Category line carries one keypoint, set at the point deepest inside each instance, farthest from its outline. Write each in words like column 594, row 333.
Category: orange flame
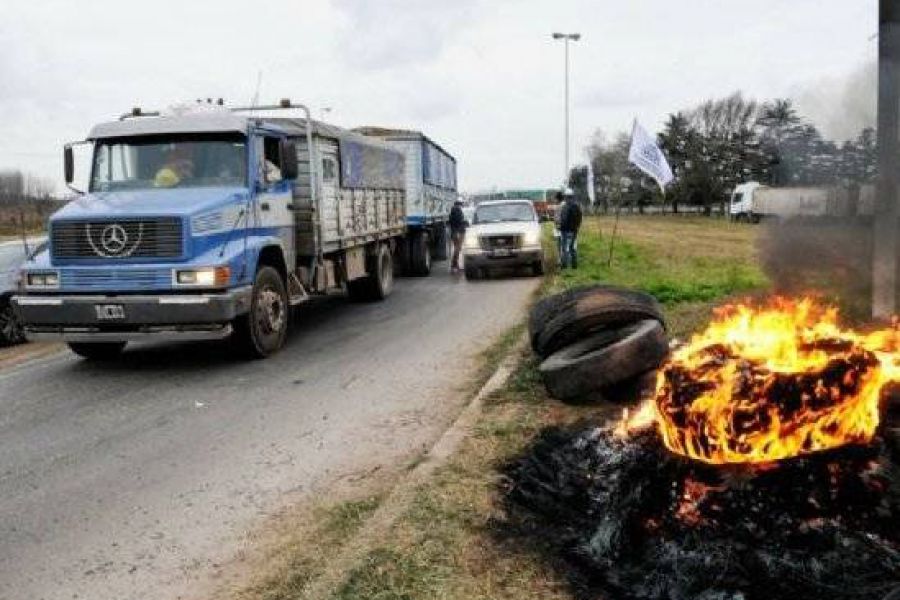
column 764, row 384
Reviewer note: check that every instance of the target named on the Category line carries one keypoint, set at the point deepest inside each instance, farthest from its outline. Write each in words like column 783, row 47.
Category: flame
column 769, row 383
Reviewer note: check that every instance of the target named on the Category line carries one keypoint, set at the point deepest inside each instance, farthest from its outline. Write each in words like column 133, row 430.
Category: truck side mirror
column 289, row 167
column 69, row 164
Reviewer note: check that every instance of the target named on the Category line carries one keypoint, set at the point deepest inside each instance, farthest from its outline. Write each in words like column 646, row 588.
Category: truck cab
column 742, row 207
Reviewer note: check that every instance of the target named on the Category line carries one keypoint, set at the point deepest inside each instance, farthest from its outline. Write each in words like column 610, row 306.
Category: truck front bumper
column 507, row 258
column 128, row 318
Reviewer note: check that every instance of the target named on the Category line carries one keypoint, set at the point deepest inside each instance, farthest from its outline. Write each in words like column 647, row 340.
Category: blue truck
column 204, row 222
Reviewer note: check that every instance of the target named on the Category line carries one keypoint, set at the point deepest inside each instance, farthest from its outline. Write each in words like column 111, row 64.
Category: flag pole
column 612, row 238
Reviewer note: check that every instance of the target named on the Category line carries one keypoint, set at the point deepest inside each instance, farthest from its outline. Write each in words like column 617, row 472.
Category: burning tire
column 563, row 319
column 604, row 359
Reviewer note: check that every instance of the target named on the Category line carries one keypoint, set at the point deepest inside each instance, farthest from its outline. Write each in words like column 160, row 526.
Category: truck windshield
column 499, row 213
column 152, row 162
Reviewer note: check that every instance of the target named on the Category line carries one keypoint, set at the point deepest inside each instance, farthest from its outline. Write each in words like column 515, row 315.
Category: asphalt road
column 137, row 479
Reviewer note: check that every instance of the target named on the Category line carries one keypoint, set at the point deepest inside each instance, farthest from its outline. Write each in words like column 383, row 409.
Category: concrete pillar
column 884, row 272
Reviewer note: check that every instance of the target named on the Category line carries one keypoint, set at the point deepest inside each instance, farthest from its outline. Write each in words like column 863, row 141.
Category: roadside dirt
column 13, row 356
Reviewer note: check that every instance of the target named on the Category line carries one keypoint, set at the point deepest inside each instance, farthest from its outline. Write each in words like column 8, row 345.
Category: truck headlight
column 472, row 242
column 204, row 277
column 532, row 238
column 42, row 279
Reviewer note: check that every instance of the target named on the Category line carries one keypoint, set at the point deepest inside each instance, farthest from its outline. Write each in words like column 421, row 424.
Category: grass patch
column 296, row 560
column 676, row 260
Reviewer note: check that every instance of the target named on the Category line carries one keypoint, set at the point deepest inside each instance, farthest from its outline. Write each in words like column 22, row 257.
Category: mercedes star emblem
column 114, row 238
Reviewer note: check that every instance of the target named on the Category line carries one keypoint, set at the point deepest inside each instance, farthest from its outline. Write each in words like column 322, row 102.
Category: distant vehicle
column 11, row 258
column 751, row 202
column 204, row 222
column 503, row 233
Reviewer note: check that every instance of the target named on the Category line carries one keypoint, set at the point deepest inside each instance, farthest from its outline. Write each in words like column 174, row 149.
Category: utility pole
column 884, row 268
column 566, row 37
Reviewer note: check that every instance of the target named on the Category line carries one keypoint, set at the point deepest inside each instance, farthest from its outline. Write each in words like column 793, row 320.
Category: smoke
column 841, row 106
column 824, row 257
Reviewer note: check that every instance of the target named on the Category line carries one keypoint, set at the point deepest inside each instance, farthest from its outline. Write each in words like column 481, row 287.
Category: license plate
column 502, row 252
column 109, row 312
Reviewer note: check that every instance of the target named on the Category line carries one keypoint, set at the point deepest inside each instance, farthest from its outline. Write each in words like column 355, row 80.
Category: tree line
column 722, row 143
column 25, row 201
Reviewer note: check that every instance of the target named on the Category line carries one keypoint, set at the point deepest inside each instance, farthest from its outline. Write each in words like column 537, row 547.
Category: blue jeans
column 568, row 249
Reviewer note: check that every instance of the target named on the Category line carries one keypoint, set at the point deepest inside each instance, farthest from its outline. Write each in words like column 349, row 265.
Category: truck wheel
column 97, row 350
column 11, row 330
column 471, row 273
column 379, row 283
column 419, row 255
column 537, row 269
column 441, row 243
column 262, row 331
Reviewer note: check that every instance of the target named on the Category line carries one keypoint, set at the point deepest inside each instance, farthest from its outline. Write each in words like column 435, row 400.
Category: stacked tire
column 598, row 342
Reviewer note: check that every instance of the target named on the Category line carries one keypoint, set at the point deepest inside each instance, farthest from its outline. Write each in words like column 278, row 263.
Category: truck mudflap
column 201, row 316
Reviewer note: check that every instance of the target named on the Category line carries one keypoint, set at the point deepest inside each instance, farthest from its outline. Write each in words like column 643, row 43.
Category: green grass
column 660, row 263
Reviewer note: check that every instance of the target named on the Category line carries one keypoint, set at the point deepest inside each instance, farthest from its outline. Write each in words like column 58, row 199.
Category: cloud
column 616, row 95
column 394, row 34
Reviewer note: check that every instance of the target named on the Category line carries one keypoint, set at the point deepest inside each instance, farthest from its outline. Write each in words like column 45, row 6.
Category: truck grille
column 115, row 280
column 497, row 242
column 121, row 238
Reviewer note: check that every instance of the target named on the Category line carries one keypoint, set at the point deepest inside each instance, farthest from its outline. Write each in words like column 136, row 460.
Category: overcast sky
column 482, row 77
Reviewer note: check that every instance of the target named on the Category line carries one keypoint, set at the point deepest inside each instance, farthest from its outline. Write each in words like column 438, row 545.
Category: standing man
column 569, row 223
column 457, row 233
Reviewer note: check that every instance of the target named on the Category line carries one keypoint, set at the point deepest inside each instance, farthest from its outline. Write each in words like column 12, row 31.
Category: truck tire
column 441, row 247
column 379, row 283
column 604, row 359
column 547, row 308
column 537, row 269
column 559, row 321
column 11, row 330
column 97, row 350
column 262, row 331
column 472, row 273
column 419, row 254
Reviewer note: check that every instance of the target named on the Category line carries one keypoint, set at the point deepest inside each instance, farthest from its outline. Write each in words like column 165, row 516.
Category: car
column 503, row 234
column 12, row 255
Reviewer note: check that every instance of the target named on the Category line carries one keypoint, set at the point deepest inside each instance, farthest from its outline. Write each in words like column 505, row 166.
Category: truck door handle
column 264, row 206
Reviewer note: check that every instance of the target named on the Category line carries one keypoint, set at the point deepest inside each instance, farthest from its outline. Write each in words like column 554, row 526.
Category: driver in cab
column 177, row 166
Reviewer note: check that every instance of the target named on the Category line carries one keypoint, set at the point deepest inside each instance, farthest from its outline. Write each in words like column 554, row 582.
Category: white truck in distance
column 752, row 201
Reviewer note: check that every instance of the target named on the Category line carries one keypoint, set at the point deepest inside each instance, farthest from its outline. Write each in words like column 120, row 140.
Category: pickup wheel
column 262, row 331
column 419, row 254
column 97, row 350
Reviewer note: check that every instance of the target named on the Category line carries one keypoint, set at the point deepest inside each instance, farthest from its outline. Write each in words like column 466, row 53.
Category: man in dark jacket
column 457, row 233
column 569, row 223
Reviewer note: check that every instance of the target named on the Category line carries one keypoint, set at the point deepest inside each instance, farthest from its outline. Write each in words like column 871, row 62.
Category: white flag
column 590, row 179
column 647, row 157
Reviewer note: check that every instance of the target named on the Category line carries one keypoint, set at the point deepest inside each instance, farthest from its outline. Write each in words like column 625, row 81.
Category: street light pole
column 884, row 271
column 566, row 37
